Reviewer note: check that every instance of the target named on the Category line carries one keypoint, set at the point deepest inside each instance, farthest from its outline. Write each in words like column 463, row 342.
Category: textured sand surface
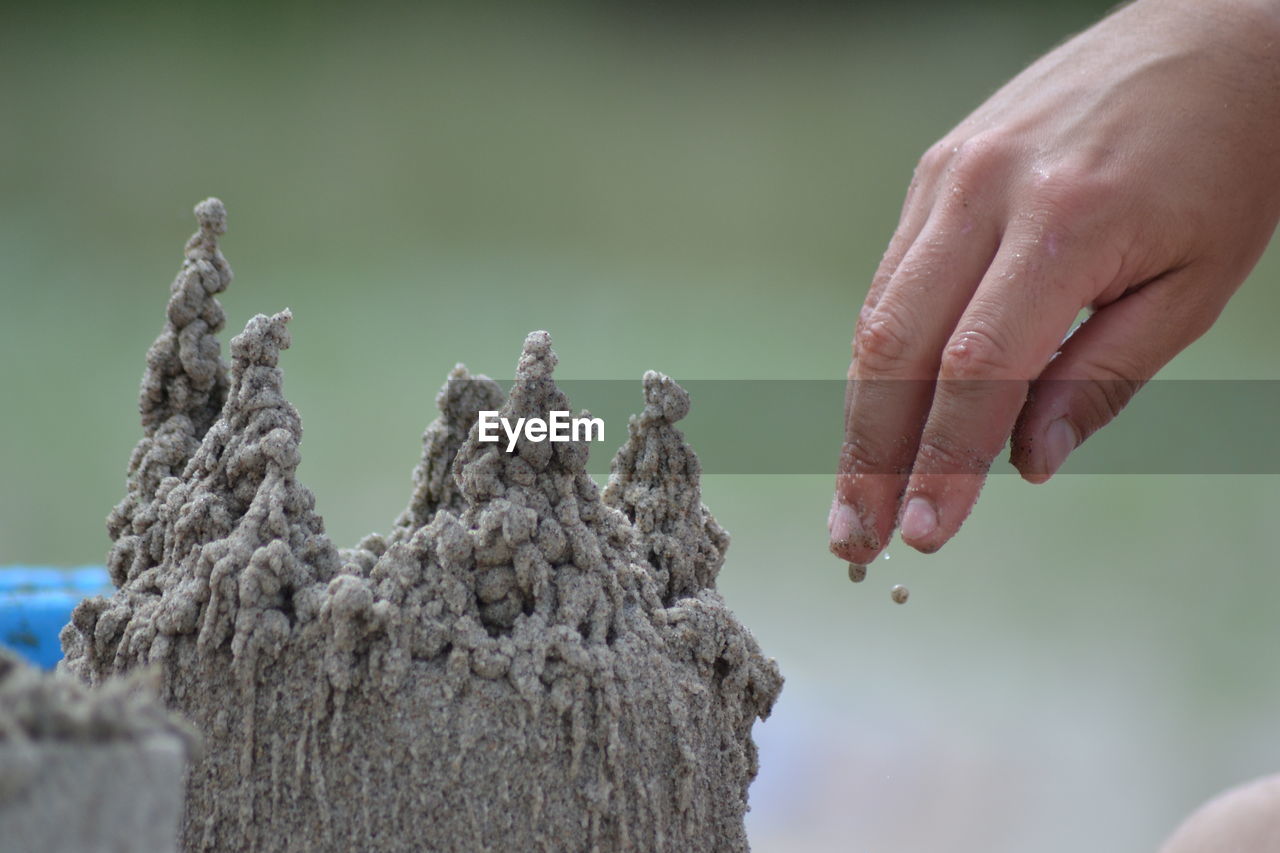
column 87, row 769
column 522, row 663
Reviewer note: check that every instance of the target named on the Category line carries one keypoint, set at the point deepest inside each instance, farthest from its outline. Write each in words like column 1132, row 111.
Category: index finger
column 890, row 385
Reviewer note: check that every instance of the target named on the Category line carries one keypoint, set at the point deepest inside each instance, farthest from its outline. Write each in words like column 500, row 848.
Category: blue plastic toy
column 35, row 602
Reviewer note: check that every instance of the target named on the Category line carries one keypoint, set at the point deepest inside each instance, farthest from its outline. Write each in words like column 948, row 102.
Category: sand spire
column 654, row 480
column 461, row 398
column 183, row 389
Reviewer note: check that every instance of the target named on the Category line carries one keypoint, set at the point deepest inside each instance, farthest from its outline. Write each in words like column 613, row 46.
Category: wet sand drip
column 522, row 663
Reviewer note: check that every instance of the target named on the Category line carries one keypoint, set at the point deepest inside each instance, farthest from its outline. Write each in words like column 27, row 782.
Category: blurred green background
column 702, row 191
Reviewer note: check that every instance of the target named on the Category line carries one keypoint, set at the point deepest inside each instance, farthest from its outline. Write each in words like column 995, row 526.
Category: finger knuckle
column 866, row 313
column 882, row 344
column 935, row 158
column 1068, row 193
column 975, row 353
column 978, row 158
column 1194, row 316
column 858, row 455
column 1106, row 394
column 939, row 454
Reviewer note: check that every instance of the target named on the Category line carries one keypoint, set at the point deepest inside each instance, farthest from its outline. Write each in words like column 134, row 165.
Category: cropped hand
column 1135, row 172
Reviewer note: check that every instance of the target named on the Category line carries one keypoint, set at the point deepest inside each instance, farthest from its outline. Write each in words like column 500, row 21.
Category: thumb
column 1100, row 367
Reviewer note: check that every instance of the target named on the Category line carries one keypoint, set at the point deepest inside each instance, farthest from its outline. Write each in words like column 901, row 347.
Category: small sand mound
column 85, row 768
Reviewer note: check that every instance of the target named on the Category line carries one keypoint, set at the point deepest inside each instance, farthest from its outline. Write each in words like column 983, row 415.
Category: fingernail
column 845, row 524
column 920, row 519
column 1059, row 440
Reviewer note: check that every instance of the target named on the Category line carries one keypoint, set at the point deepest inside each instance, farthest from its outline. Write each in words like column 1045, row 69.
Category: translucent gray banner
column 795, row 426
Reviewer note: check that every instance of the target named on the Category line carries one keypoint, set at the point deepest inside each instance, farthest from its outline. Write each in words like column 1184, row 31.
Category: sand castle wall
column 87, row 769
column 523, row 662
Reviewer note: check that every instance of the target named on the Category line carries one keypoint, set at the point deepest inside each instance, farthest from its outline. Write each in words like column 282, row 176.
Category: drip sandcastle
column 524, row 662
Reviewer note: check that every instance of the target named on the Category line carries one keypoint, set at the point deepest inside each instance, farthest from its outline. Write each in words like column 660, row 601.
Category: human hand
column 1245, row 819
column 1134, row 171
